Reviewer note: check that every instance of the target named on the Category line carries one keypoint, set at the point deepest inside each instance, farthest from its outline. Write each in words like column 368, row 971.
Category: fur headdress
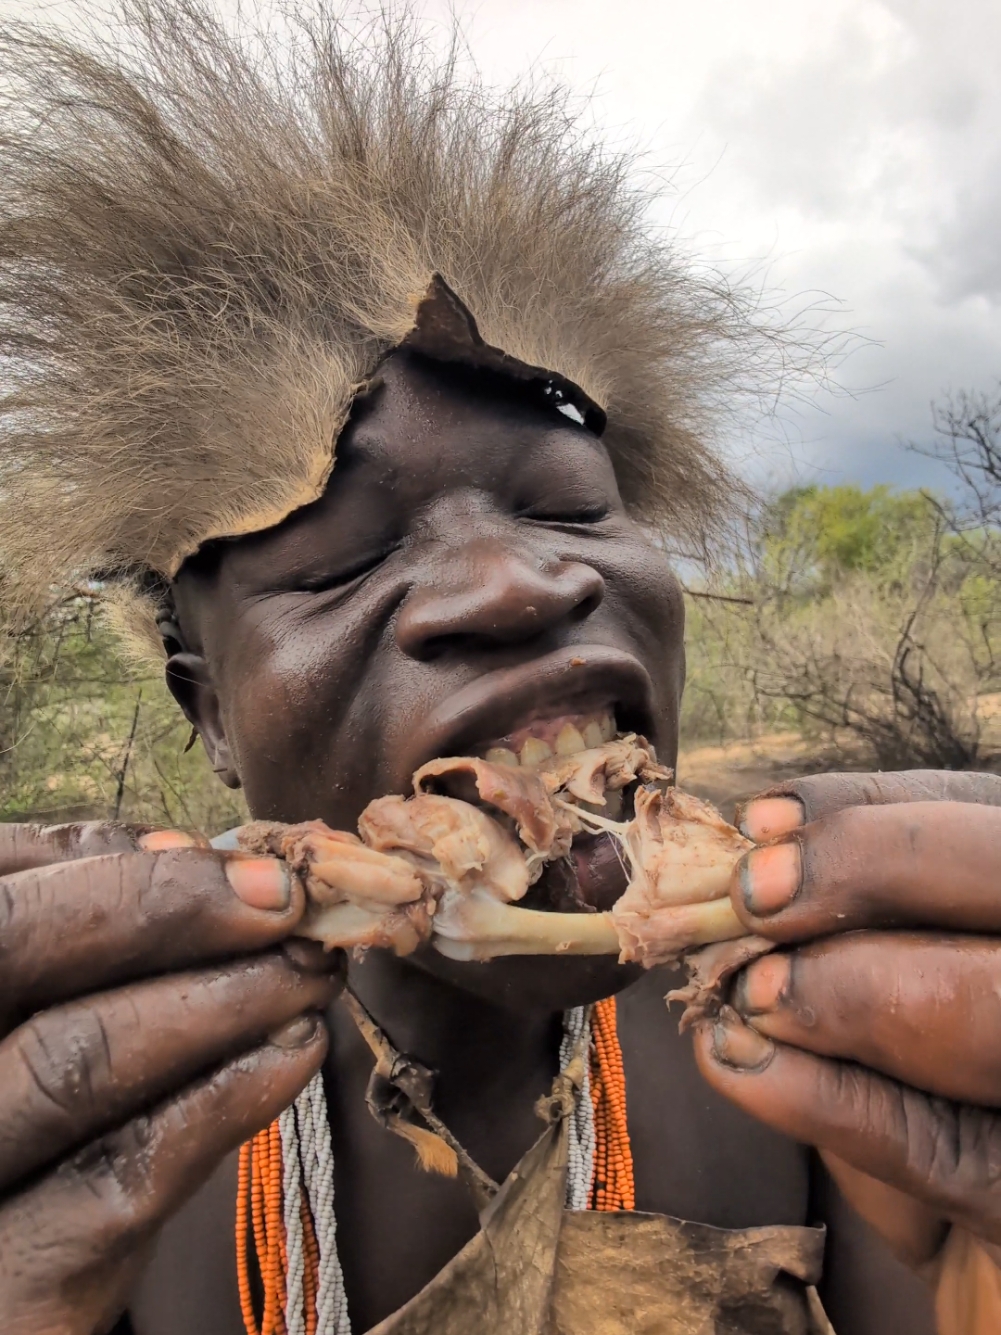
column 205, row 249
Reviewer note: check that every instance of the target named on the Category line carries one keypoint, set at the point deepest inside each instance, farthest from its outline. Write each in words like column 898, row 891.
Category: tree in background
column 866, row 619
column 83, row 738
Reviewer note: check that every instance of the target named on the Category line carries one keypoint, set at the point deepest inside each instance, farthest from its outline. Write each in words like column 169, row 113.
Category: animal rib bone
column 438, row 867
column 479, row 927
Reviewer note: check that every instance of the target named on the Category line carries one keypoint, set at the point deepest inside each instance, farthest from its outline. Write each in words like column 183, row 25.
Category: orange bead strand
column 613, row 1186
column 259, row 1205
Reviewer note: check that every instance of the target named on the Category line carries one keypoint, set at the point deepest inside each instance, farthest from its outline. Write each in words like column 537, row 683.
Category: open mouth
column 561, row 701
column 546, row 738
column 591, row 875
column 516, row 840
column 538, row 717
column 484, row 854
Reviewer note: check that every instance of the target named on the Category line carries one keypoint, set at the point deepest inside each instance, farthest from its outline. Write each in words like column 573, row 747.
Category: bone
column 479, row 927
column 663, row 935
column 352, row 926
column 437, row 868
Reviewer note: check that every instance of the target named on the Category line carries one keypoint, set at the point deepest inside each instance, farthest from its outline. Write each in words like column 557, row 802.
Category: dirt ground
column 728, row 775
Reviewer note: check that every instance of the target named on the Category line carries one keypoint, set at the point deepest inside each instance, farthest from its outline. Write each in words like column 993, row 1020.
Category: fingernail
column 263, row 883
column 766, row 818
column 763, row 985
column 312, row 957
column 737, row 1046
column 297, row 1033
column 770, row 878
column 160, row 841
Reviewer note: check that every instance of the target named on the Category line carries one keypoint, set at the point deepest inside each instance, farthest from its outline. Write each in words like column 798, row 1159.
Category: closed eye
column 342, row 578
column 589, row 514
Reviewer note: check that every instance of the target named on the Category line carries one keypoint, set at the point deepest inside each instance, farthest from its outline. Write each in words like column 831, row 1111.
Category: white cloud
column 852, row 143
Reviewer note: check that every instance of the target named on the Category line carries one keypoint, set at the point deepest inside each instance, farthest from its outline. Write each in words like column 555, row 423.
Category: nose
column 492, row 595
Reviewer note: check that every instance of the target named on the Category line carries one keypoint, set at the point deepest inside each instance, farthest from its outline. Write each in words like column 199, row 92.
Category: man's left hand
column 877, row 1040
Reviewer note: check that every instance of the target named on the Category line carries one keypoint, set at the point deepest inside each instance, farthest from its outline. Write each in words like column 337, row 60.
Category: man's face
column 469, row 576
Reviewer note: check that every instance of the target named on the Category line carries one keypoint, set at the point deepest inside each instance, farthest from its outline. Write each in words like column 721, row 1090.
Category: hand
column 879, row 1042
column 150, row 1021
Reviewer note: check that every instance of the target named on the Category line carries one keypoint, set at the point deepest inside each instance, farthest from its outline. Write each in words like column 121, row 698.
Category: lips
column 575, row 681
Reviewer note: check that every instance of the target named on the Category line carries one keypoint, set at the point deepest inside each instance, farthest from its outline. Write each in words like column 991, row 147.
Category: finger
column 799, row 801
column 66, row 1241
column 81, row 926
column 914, row 1231
column 923, row 1009
column 25, row 846
column 70, row 1074
column 922, row 864
column 943, row 1154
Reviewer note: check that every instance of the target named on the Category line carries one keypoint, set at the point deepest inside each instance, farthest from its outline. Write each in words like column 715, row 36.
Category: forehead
column 424, row 432
column 428, row 423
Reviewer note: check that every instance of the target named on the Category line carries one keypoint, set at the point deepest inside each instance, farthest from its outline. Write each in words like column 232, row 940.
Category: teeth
column 571, row 738
column 593, row 736
column 569, row 741
column 501, row 755
column 534, row 752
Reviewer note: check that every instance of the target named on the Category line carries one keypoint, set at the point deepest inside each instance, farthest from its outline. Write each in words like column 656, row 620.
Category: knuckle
column 850, row 1090
column 953, row 1154
column 118, row 1173
column 29, row 845
column 24, row 913
column 94, row 838
column 69, row 1066
column 965, row 1148
column 8, row 912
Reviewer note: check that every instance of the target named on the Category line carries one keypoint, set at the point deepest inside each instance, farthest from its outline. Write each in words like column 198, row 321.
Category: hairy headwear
column 205, row 250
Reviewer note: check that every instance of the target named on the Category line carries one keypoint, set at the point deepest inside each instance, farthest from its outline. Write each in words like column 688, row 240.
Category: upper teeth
column 500, row 755
column 568, row 741
column 594, row 735
column 534, row 752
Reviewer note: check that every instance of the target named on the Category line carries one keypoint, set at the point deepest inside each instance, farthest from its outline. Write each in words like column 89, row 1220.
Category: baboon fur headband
column 206, row 249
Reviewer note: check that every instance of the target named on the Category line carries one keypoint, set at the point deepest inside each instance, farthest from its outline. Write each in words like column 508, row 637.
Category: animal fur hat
column 205, row 249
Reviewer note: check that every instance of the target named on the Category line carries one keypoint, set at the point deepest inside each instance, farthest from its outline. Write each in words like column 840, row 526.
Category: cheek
column 645, row 598
column 291, row 707
column 647, row 595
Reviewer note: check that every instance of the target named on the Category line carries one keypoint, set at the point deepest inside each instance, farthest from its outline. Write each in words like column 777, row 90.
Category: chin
column 532, row 982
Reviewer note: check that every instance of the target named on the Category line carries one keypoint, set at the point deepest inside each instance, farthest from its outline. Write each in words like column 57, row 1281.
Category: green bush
column 83, row 738
column 861, row 615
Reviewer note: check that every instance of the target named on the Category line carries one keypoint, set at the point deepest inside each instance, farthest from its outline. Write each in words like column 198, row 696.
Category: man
column 357, row 387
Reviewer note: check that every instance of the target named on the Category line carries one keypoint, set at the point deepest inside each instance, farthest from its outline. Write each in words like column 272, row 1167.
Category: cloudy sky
column 851, row 146
column 848, row 150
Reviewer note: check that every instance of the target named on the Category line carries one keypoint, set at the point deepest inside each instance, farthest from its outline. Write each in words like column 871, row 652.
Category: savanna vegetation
column 867, row 622
column 82, row 737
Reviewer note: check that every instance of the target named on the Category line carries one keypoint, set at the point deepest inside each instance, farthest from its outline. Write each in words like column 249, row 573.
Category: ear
column 191, row 685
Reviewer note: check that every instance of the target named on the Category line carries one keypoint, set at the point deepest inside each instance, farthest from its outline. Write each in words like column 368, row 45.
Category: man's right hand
column 150, row 1021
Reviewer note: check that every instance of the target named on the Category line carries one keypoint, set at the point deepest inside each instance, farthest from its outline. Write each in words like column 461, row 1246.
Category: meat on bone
column 449, row 865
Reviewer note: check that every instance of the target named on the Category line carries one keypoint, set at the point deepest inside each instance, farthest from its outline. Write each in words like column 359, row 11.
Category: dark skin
column 470, row 567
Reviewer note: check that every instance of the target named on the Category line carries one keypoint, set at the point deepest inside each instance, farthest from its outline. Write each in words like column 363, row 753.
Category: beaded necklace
column 285, row 1191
